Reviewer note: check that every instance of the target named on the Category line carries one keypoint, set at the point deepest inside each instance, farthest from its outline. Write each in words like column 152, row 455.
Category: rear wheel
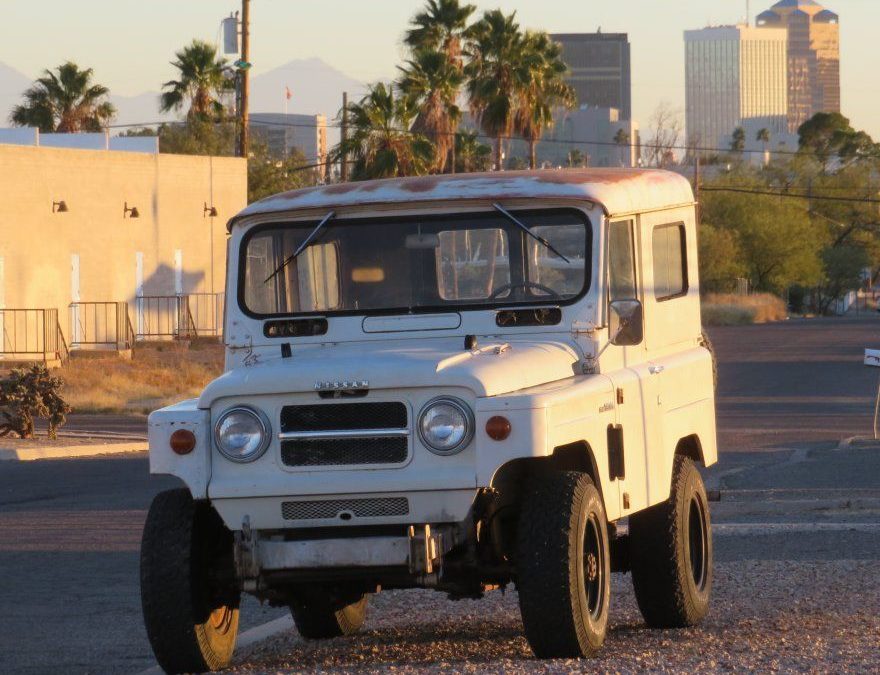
column 671, row 553
column 321, row 613
column 189, row 603
column 563, row 566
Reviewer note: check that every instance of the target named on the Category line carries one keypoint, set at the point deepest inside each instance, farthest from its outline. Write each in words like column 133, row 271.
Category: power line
column 789, row 195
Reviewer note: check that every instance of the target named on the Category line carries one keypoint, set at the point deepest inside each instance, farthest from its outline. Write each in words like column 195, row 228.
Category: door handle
column 656, row 370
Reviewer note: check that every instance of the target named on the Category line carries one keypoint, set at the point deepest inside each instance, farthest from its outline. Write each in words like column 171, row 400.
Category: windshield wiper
column 302, row 247
column 513, row 219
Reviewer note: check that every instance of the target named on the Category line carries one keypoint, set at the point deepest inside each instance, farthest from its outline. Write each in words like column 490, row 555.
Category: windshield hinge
column 583, row 327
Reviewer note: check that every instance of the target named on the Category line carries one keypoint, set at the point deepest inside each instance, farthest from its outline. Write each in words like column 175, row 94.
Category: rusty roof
column 618, row 191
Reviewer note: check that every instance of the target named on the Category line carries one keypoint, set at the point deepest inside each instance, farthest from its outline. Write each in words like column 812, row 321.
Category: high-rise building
column 599, row 65
column 733, row 74
column 284, row 132
column 813, row 57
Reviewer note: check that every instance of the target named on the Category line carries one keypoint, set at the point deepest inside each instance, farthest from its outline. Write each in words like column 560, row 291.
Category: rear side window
column 670, row 262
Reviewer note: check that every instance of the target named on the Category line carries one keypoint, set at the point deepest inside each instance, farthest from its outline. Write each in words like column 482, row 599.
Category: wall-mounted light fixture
column 209, row 211
column 131, row 212
column 59, row 207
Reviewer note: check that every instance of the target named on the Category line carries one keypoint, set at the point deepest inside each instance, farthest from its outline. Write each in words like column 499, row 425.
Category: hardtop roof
column 617, row 191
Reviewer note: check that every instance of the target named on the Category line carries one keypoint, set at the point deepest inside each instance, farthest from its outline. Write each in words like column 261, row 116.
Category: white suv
column 449, row 382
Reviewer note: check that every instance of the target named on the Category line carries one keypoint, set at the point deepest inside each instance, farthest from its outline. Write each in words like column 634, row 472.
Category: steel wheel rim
column 698, row 542
column 594, row 567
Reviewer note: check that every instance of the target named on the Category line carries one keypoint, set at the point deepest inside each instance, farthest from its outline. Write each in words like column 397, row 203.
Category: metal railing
column 100, row 325
column 160, row 317
column 32, row 335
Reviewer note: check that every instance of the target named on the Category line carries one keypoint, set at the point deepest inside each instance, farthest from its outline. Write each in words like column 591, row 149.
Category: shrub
column 27, row 393
column 722, row 309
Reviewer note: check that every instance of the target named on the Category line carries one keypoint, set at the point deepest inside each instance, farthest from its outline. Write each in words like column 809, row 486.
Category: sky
column 130, row 42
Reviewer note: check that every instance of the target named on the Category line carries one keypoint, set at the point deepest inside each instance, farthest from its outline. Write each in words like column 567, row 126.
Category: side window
column 621, row 262
column 670, row 262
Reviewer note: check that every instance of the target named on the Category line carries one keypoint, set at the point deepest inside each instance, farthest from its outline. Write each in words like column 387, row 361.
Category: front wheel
column 563, row 566
column 190, row 612
column 320, row 613
column 671, row 553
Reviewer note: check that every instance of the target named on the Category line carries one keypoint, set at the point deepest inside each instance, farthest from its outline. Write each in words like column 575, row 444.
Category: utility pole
column 244, row 133
column 343, row 158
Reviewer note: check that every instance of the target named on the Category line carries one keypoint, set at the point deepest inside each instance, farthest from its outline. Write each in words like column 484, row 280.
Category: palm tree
column 575, row 158
column 738, row 140
column 379, row 142
column 432, row 82
column 65, row 101
column 499, row 71
column 545, row 92
column 440, row 27
column 621, row 138
column 470, row 154
column 763, row 137
column 201, row 81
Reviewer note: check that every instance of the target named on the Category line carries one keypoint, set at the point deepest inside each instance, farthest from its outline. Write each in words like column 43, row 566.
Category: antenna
column 748, row 13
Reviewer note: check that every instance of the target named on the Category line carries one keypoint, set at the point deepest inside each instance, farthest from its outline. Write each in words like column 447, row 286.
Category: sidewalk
column 67, row 446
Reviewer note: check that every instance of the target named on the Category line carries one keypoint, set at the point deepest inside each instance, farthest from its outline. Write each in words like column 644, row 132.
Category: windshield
column 416, row 264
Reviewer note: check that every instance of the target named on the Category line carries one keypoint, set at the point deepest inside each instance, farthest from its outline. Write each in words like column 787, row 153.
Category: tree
column 621, row 139
column 380, row 143
column 441, row 26
column 65, row 101
column 763, row 137
column 842, row 268
column 720, row 259
column 546, row 90
column 738, row 140
column 198, row 137
column 470, row 154
column 575, row 158
column 432, row 81
column 827, row 135
column 498, row 73
column 667, row 129
column 269, row 175
column 201, row 81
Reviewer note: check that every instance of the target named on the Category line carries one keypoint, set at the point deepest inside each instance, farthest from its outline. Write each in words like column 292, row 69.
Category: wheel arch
column 690, row 446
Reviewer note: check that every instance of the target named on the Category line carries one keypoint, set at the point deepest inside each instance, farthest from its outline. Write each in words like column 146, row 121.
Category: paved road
column 70, row 530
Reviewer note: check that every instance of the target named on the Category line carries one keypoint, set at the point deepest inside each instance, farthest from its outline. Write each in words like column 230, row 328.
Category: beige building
column 813, row 57
column 283, row 132
column 734, row 73
column 79, row 227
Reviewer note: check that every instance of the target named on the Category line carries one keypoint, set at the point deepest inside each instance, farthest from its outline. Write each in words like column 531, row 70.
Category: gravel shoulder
column 767, row 615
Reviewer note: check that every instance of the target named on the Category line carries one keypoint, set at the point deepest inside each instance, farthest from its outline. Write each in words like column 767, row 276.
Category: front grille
column 343, row 416
column 328, row 435
column 374, row 507
column 330, row 452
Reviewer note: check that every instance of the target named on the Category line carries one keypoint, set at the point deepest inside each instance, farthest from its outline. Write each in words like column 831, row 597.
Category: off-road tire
column 564, row 591
column 321, row 613
column 191, row 626
column 671, row 553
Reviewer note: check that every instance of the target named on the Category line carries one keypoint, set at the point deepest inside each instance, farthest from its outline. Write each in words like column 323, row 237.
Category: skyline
column 132, row 62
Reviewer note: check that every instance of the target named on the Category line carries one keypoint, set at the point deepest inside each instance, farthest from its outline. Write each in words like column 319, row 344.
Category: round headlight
column 446, row 425
column 242, row 434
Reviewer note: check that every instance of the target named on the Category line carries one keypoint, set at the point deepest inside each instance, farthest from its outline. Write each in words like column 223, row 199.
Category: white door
column 76, row 328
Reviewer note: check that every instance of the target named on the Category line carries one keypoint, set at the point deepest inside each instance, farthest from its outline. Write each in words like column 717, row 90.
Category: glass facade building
column 732, row 74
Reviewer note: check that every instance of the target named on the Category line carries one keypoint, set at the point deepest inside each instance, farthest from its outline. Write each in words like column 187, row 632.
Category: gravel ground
column 766, row 616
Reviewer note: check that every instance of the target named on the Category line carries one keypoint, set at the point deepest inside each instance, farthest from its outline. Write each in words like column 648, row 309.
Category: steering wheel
column 526, row 284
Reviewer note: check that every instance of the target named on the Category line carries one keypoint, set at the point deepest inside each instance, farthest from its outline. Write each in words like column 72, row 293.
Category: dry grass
column 727, row 309
column 157, row 375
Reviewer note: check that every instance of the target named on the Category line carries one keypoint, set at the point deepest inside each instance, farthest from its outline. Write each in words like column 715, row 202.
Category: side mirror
column 627, row 325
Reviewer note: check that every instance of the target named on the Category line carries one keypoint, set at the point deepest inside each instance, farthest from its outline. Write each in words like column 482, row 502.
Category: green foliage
column 380, row 144
column 269, row 175
column 470, row 154
column 198, row 136
column 28, row 393
column 842, row 272
column 575, row 158
column 827, row 135
column 738, row 140
column 66, row 100
column 721, row 260
column 201, row 81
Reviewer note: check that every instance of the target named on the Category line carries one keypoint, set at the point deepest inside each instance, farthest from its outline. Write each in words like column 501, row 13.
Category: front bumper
column 342, row 510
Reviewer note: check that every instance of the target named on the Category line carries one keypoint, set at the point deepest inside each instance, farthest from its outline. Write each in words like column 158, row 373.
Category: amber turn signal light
column 498, row 428
column 182, row 441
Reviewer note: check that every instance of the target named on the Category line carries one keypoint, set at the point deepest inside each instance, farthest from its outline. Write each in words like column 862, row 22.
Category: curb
column 70, row 451
column 248, row 638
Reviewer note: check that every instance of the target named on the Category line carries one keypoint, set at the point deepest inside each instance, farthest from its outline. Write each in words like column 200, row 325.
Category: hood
column 493, row 368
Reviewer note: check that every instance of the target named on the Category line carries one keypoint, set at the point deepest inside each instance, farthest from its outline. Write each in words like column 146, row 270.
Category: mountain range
column 316, row 88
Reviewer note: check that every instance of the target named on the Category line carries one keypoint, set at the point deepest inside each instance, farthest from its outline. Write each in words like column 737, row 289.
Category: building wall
column 732, row 73
column 284, row 132
column 37, row 246
column 813, row 57
column 600, row 71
